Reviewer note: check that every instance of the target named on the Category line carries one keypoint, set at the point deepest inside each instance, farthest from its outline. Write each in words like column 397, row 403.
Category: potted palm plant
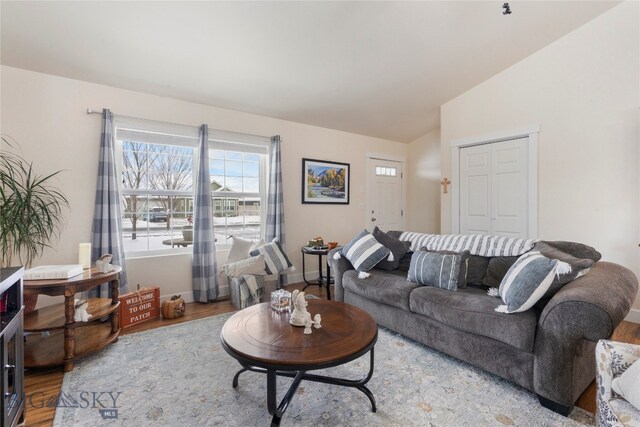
column 32, row 210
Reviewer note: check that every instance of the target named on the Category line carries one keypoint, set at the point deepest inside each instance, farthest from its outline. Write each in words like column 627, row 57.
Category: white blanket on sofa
column 477, row 244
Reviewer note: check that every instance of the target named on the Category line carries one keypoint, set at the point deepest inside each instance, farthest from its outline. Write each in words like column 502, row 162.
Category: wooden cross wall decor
column 445, row 182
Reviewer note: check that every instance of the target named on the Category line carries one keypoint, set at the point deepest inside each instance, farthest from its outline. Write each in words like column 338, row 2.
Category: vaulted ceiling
column 374, row 68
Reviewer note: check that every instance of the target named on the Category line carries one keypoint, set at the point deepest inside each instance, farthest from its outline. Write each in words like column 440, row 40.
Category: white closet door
column 509, row 188
column 493, row 188
column 475, row 190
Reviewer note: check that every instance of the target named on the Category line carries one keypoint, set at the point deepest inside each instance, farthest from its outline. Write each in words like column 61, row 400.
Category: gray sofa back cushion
column 579, row 266
column 477, row 269
column 497, row 268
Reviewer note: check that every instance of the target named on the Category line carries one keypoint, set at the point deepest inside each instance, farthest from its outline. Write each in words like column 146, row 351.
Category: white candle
column 84, row 255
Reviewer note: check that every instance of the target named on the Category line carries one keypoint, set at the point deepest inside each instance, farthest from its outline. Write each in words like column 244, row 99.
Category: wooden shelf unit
column 42, row 352
column 66, row 339
column 52, row 317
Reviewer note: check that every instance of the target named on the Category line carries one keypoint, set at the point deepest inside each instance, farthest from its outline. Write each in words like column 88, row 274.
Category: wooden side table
column 77, row 339
column 322, row 280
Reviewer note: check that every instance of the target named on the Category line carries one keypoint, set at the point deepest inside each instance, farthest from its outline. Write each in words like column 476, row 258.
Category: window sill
column 169, row 253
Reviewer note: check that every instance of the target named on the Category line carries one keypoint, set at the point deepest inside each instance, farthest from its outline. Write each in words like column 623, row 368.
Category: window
column 157, row 164
column 385, row 171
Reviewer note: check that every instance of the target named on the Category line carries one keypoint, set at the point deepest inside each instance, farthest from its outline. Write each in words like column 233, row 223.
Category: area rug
column 180, row 376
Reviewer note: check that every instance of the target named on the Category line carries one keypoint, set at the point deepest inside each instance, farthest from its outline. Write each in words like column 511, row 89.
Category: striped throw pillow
column 527, row 281
column 275, row 260
column 364, row 251
column 438, row 269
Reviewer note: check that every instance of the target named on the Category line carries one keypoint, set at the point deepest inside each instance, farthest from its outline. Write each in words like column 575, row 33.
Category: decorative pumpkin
column 173, row 308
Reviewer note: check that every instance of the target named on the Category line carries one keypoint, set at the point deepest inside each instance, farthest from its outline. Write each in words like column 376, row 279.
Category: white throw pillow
column 240, row 249
column 627, row 385
column 253, row 265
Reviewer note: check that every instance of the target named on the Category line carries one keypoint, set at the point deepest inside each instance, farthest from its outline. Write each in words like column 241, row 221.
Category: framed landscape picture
column 325, row 182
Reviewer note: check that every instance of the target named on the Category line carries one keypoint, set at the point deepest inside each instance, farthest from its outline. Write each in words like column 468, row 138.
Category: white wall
column 46, row 115
column 423, row 177
column 583, row 90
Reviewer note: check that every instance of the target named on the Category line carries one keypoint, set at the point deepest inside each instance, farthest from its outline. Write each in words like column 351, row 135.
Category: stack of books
column 53, row 272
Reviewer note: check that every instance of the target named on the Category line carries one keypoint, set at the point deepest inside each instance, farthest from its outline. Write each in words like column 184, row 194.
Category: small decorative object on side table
column 280, row 300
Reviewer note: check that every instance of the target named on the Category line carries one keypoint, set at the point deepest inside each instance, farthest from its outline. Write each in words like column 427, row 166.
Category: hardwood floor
column 43, row 385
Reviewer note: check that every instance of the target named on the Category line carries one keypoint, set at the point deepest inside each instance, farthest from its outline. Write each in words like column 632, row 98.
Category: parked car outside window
column 155, row 215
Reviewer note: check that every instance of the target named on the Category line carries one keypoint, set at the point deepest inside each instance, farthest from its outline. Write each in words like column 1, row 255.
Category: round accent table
column 262, row 340
column 62, row 339
column 322, row 279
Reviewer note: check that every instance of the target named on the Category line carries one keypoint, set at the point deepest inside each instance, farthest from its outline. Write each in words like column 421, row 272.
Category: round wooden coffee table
column 262, row 340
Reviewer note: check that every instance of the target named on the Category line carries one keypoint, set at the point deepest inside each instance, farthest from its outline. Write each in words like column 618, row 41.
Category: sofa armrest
column 589, row 308
column 339, row 266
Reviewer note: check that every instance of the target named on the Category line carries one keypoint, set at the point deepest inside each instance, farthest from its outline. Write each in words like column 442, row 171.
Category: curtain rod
column 92, row 111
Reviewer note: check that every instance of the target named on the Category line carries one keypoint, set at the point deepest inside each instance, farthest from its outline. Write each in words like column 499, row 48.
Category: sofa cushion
column 578, row 250
column 364, row 251
column 497, row 268
column 472, row 310
column 579, row 266
column 477, row 269
column 381, row 287
column 397, row 248
column 438, row 269
column 405, row 263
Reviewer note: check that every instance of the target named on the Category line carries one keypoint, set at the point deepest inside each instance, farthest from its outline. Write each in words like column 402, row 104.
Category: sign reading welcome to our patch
column 139, row 306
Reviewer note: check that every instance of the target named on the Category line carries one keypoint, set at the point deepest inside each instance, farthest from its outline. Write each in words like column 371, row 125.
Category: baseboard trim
column 188, row 296
column 224, row 290
column 633, row 316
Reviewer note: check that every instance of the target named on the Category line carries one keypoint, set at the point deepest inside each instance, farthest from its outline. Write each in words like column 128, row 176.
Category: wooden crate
column 139, row 306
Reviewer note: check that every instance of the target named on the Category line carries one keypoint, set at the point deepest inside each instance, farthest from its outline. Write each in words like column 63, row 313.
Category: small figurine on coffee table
column 300, row 314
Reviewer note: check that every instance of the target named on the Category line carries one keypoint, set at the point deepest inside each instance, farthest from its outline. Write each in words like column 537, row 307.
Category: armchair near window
column 613, row 359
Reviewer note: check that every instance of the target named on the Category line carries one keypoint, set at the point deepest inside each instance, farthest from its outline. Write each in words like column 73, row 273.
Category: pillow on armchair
column 627, row 385
column 240, row 249
column 613, row 360
column 252, row 265
column 275, row 260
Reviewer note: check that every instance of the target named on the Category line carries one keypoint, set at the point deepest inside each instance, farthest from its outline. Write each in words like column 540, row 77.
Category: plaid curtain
column 275, row 201
column 106, row 230
column 203, row 268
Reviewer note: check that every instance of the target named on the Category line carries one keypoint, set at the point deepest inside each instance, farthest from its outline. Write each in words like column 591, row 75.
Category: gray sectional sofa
column 549, row 349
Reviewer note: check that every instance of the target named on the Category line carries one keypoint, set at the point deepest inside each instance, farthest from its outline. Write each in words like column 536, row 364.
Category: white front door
column 384, row 201
column 494, row 188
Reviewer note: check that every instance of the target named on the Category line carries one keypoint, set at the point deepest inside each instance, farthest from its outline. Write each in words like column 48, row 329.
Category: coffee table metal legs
column 298, row 376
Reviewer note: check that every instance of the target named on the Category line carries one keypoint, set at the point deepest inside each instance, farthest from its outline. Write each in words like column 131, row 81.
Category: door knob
column 373, row 219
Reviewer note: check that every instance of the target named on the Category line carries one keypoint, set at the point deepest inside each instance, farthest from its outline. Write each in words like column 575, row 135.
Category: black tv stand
column 12, row 397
